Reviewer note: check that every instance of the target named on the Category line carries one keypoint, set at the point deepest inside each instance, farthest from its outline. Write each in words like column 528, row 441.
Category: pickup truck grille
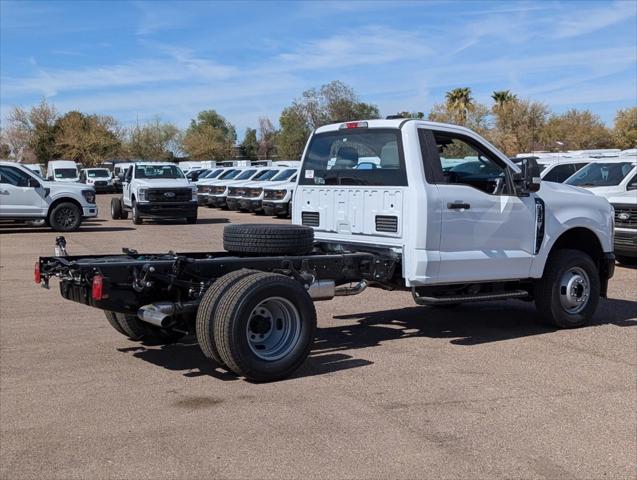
column 100, row 184
column 311, row 219
column 386, row 223
column 169, row 194
column 625, row 215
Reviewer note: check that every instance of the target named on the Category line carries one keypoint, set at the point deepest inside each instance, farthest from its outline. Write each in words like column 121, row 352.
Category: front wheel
column 568, row 293
column 137, row 220
column 65, row 217
column 264, row 326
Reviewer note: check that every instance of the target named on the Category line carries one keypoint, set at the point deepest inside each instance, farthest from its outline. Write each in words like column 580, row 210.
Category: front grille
column 386, row 223
column 625, row 215
column 253, row 192
column 311, row 219
column 100, row 184
column 625, row 240
column 169, row 195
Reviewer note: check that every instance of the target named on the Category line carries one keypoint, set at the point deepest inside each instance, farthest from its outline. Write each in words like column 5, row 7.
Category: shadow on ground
column 333, row 346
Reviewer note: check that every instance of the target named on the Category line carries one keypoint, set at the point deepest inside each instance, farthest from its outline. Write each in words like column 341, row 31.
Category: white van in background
column 62, row 171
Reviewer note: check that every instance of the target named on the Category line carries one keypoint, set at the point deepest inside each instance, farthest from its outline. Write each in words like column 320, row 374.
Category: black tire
column 112, row 319
column 116, row 208
column 124, row 214
column 624, row 260
column 268, row 239
column 234, row 315
column 137, row 220
column 207, row 312
column 191, row 220
column 65, row 217
column 550, row 292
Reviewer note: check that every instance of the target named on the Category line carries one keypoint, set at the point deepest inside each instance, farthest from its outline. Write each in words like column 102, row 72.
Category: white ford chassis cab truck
column 392, row 204
column 157, row 191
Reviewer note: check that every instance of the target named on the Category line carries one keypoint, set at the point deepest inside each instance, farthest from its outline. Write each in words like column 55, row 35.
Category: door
column 487, row 231
column 21, row 195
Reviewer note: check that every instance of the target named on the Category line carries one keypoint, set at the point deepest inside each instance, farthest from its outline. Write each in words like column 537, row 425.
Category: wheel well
column 64, row 200
column 585, row 240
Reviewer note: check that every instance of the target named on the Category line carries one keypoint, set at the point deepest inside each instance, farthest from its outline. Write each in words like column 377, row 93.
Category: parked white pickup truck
column 491, row 230
column 24, row 195
column 156, row 190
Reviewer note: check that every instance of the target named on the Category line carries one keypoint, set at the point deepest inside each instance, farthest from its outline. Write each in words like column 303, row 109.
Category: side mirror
column 528, row 180
column 49, row 178
column 195, row 177
column 33, row 183
column 632, row 186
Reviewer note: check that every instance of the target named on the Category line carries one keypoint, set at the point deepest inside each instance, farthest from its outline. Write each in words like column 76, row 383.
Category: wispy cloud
column 581, row 21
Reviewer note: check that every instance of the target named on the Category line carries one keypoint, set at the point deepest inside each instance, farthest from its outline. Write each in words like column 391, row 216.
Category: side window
column 464, row 162
column 129, row 174
column 14, row 176
column 560, row 173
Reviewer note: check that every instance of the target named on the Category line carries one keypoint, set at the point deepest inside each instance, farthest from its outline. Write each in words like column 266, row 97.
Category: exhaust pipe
column 161, row 314
column 355, row 290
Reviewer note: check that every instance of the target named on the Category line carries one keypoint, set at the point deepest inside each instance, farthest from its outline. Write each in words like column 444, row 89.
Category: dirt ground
column 391, row 389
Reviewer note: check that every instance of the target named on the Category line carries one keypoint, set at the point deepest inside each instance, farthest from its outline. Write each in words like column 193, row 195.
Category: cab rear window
column 355, row 157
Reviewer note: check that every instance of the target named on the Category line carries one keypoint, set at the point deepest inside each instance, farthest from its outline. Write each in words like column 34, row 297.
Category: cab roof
column 391, row 123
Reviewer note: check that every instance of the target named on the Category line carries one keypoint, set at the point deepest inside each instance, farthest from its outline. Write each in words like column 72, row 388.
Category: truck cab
column 441, row 198
column 62, row 171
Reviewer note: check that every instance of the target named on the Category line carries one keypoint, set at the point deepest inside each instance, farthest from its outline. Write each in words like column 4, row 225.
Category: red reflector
column 98, row 287
column 37, row 277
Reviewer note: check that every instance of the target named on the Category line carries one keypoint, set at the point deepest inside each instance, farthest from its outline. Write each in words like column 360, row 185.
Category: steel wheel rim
column 65, row 217
column 273, row 329
column 575, row 290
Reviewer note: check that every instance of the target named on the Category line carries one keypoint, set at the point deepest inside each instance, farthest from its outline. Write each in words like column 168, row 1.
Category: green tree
column 460, row 104
column 154, row 140
column 625, row 128
column 86, row 139
column 518, row 125
column 293, row 133
column 30, row 133
column 332, row 102
column 502, row 97
column 250, row 145
column 576, row 130
column 210, row 136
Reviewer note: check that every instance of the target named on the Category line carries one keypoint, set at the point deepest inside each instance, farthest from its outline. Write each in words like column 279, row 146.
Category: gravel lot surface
column 391, row 390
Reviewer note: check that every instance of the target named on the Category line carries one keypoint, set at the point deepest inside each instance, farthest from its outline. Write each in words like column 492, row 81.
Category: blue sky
column 138, row 60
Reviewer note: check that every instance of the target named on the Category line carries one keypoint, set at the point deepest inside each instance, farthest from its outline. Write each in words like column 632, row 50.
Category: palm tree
column 460, row 103
column 500, row 97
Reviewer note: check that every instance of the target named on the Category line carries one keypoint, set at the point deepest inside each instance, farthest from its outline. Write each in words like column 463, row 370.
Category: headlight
column 218, row 190
column 141, row 195
column 275, row 194
column 255, row 192
column 194, row 193
column 89, row 195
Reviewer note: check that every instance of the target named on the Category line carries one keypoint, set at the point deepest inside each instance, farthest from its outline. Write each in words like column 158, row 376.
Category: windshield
column 265, row 175
column 229, row 175
column 246, row 175
column 158, row 171
column 599, row 174
column 213, row 173
column 102, row 173
column 333, row 158
column 65, row 173
column 285, row 174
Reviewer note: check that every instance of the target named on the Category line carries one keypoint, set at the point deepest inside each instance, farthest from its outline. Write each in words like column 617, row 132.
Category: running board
column 481, row 297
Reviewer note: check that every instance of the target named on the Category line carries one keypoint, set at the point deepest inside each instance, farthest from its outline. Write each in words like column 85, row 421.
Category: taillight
column 98, row 287
column 37, row 276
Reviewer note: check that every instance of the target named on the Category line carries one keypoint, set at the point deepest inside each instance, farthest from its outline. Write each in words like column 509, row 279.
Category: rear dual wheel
column 259, row 325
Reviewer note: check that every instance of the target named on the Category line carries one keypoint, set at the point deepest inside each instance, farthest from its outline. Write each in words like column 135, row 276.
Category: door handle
column 458, row 206
column 4, row 192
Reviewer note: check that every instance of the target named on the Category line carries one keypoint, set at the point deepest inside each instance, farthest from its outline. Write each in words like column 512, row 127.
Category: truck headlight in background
column 254, row 192
column 275, row 194
column 142, row 195
column 89, row 195
column 218, row 190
